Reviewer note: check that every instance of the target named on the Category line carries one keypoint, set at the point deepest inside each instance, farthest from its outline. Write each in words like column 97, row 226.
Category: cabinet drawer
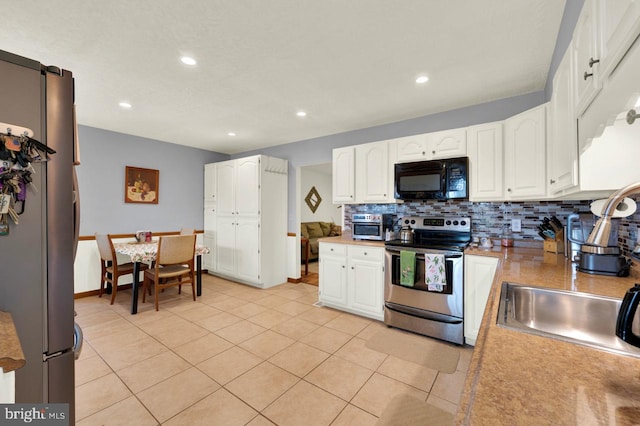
column 328, row 249
column 373, row 254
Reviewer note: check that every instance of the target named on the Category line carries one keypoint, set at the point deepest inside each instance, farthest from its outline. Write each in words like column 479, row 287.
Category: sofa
column 315, row 230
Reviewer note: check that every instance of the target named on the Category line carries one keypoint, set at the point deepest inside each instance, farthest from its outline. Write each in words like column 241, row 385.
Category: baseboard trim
column 294, row 280
column 97, row 292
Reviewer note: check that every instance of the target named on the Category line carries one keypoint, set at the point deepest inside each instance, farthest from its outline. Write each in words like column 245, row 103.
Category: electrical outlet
column 516, row 225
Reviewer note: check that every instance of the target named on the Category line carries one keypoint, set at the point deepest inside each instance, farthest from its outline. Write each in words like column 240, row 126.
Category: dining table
column 146, row 252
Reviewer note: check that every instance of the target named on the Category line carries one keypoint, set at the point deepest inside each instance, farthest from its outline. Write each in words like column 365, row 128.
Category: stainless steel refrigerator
column 36, row 257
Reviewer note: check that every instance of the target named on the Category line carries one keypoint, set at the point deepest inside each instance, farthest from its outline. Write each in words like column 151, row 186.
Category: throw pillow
column 314, row 230
column 336, row 230
column 326, row 228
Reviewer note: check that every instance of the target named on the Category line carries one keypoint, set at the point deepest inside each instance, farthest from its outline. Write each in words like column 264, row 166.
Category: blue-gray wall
column 104, row 155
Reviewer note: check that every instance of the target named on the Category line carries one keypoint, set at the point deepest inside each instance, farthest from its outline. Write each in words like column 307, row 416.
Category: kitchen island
column 519, row 378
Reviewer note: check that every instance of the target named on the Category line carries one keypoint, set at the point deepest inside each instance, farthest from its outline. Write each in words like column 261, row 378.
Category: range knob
column 406, row 221
column 413, row 222
column 448, row 222
column 455, row 223
column 463, row 223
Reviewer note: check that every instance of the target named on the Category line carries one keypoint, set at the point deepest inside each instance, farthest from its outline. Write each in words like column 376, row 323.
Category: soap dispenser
column 626, row 314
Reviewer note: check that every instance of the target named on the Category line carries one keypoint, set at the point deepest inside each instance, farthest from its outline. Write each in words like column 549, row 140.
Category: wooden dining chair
column 111, row 270
column 187, row 231
column 174, row 266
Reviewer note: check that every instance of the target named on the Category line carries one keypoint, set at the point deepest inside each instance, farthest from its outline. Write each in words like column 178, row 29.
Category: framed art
column 313, row 199
column 141, row 185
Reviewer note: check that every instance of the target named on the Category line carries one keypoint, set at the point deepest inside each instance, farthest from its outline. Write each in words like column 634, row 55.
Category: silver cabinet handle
column 508, row 189
column 587, row 75
column 593, row 61
column 433, row 152
column 424, row 153
column 551, row 181
column 632, row 115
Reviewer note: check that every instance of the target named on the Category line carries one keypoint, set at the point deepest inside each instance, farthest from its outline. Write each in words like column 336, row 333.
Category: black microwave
column 445, row 179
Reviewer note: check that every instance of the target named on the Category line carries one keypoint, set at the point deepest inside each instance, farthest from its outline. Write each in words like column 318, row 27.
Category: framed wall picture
column 141, row 185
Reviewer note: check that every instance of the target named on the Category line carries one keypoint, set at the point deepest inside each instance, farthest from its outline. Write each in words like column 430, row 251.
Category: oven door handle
column 426, row 251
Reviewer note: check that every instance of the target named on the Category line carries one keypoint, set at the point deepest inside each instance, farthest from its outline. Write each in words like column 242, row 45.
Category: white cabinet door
column 525, row 154
column 586, row 56
column 333, row 280
column 562, row 146
column 486, row 169
column 372, row 173
column 478, row 277
column 620, row 26
column 247, row 249
column 344, row 175
column 225, row 248
column 247, row 189
column 226, row 187
column 410, row 148
column 209, row 217
column 447, row 144
column 209, row 183
column 208, row 260
column 365, row 286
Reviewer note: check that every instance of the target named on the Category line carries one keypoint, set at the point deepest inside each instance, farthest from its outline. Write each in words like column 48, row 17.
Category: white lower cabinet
column 238, row 248
column 478, row 278
column 352, row 278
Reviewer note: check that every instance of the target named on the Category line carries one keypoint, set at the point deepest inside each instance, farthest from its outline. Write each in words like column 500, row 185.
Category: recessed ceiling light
column 301, row 114
column 188, row 60
column 422, row 79
column 125, row 105
column 231, row 134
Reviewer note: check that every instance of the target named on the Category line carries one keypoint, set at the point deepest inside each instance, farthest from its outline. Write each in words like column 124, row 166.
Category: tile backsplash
column 489, row 219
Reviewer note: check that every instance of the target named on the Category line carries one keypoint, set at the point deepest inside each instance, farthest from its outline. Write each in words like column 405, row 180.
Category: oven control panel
column 444, row 223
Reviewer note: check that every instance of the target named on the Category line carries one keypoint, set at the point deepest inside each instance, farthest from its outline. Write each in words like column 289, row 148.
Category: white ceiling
column 349, row 64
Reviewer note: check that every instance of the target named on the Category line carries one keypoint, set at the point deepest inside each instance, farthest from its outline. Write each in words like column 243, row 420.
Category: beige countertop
column 347, row 239
column 11, row 356
column 518, row 378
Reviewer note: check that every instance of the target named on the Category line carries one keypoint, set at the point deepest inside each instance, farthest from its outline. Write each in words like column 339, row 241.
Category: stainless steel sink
column 580, row 318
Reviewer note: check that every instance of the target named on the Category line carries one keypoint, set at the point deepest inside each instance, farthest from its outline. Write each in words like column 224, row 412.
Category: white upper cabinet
column 410, row 148
column 447, row 144
column 586, row 56
column 485, row 148
column 210, row 183
column 430, row 146
column 525, row 155
column 226, row 187
column 372, row 173
column 619, row 25
column 248, row 185
column 238, row 186
column 344, row 175
column 562, row 146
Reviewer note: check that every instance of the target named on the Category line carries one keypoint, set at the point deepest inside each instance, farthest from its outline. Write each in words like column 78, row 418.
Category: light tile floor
column 241, row 356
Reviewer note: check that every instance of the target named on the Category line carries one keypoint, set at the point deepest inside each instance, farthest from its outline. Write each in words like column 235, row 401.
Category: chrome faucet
column 601, row 231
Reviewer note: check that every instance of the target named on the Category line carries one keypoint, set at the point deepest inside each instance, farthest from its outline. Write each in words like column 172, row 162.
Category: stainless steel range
column 435, row 311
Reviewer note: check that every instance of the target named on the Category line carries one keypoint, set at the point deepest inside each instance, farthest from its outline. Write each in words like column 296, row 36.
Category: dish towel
column 407, row 268
column 435, row 276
